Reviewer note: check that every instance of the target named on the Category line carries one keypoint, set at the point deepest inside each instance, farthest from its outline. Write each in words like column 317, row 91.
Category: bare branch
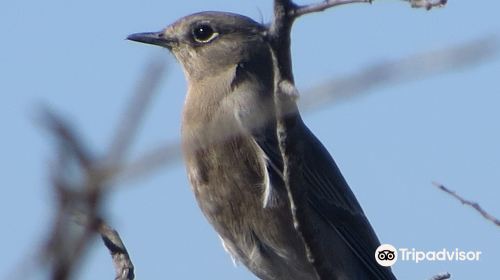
column 66, row 136
column 135, row 111
column 427, row 4
column 67, row 243
column 288, row 119
column 123, row 264
column 472, row 204
column 121, row 259
column 442, row 276
column 419, row 66
column 150, row 161
column 79, row 180
column 321, row 6
column 324, row 5
column 79, row 198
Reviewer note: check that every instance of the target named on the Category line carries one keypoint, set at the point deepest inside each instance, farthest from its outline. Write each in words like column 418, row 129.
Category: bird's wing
column 330, row 196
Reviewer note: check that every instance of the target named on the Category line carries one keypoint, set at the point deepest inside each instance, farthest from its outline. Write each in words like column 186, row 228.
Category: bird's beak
column 153, row 38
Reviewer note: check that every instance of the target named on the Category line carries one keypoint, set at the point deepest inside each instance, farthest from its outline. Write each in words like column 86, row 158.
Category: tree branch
column 288, row 120
column 80, row 181
column 427, row 4
column 121, row 259
column 422, row 65
column 470, row 203
column 301, row 10
column 135, row 112
column 442, row 276
column 66, row 243
column 321, row 6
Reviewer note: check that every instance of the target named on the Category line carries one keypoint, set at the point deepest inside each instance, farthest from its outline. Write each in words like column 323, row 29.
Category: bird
column 234, row 163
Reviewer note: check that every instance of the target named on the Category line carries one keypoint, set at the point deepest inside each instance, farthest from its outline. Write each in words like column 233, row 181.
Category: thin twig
column 66, row 244
column 427, row 4
column 121, row 259
column 80, row 181
column 135, row 111
column 442, row 276
column 324, row 5
column 470, row 203
column 287, row 120
column 66, row 136
column 412, row 68
column 321, row 6
column 147, row 163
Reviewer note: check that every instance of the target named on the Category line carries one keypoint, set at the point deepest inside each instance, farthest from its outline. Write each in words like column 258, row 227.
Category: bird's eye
column 203, row 33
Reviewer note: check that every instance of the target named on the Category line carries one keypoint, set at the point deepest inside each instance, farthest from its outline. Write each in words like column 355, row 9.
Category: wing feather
column 331, row 198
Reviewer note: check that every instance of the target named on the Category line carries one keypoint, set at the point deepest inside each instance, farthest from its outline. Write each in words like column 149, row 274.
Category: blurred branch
column 472, row 204
column 427, row 64
column 135, row 111
column 427, row 4
column 80, row 180
column 150, row 161
column 67, row 243
column 67, row 138
column 442, row 276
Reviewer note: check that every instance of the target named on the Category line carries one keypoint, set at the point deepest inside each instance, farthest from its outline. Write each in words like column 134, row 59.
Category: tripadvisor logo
column 387, row 255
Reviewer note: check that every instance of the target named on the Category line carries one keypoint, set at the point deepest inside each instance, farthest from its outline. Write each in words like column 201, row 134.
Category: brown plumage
column 234, row 162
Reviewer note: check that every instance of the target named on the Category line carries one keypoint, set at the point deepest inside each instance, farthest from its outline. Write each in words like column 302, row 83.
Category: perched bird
column 234, row 162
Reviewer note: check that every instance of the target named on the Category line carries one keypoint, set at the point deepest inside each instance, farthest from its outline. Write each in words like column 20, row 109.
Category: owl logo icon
column 386, row 255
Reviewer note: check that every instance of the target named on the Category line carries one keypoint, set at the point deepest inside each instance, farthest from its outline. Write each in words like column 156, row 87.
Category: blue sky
column 389, row 144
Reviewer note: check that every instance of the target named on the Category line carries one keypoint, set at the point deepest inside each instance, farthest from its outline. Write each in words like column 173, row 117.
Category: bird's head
column 208, row 42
